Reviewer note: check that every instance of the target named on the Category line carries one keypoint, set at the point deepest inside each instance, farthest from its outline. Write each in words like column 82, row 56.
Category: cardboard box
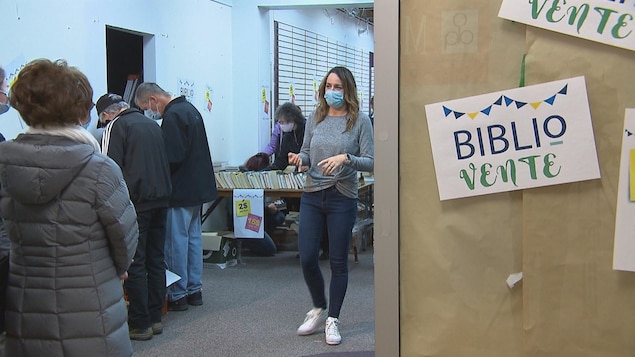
column 220, row 249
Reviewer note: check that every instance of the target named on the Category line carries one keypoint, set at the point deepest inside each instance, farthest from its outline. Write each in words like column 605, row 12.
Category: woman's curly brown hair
column 50, row 93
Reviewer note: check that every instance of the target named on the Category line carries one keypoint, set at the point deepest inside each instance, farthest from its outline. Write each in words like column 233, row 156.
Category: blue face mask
column 154, row 115
column 87, row 124
column 4, row 107
column 334, row 98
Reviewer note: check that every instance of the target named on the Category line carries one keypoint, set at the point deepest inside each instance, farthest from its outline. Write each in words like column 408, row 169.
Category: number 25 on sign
column 243, row 208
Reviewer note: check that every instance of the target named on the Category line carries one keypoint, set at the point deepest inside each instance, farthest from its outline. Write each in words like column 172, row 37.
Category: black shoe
column 140, row 334
column 157, row 328
column 178, row 305
column 195, row 299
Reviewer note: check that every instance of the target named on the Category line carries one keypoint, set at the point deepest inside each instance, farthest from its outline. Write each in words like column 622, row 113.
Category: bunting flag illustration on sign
column 503, row 101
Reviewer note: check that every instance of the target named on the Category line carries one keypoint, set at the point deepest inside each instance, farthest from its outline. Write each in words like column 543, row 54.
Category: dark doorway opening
column 124, row 61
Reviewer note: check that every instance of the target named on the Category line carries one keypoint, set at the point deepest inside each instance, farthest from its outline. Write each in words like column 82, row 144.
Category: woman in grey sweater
column 338, row 141
column 72, row 226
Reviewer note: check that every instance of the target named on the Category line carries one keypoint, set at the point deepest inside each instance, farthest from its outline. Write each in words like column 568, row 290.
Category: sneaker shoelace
column 313, row 314
column 332, row 328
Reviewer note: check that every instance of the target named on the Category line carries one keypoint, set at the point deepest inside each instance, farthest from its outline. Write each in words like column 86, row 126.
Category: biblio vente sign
column 611, row 22
column 521, row 138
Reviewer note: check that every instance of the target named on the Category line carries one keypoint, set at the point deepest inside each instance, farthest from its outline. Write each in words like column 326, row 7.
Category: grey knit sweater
column 329, row 138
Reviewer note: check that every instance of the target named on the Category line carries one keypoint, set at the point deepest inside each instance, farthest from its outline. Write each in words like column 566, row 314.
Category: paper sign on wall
column 248, row 213
column 605, row 21
column 624, row 246
column 520, row 138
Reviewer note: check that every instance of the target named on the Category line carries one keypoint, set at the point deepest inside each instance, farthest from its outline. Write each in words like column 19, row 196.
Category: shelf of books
column 273, row 180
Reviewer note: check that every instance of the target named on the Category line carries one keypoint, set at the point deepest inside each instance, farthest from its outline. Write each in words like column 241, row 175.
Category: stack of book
column 273, row 180
column 131, row 87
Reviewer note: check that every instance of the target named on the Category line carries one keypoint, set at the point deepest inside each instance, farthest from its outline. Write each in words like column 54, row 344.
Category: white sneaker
column 312, row 321
column 332, row 331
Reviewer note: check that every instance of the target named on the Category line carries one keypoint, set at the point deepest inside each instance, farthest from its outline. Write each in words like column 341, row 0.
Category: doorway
column 124, row 59
column 130, row 59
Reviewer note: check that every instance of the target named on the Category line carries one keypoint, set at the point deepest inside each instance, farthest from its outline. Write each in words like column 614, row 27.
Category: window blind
column 302, row 58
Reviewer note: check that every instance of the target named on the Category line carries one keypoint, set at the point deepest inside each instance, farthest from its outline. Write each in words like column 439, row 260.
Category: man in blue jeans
column 193, row 184
column 136, row 144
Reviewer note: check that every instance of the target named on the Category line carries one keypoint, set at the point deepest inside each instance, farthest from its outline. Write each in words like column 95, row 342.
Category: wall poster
column 248, row 213
column 606, row 21
column 623, row 258
column 520, row 138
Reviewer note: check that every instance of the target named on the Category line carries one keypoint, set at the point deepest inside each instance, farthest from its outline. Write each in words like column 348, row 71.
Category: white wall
column 192, row 40
column 224, row 44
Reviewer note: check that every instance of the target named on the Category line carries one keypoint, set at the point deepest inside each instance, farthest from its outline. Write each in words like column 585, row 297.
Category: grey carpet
column 254, row 308
column 345, row 354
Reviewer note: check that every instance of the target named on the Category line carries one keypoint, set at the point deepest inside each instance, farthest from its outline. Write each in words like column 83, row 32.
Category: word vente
column 558, row 11
column 508, row 172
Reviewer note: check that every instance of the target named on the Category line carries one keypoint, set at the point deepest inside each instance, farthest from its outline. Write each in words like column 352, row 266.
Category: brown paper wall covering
column 455, row 255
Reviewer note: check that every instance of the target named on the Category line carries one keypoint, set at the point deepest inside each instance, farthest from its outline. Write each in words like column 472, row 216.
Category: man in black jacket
column 136, row 144
column 193, row 184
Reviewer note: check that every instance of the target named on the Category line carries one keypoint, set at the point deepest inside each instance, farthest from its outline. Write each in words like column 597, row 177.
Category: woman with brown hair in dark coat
column 72, row 226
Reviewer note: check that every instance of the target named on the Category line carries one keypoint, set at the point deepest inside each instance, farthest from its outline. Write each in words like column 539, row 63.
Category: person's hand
column 332, row 163
column 295, row 159
column 124, row 276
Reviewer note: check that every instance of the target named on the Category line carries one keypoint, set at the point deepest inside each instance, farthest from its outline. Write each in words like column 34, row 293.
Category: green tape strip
column 522, row 72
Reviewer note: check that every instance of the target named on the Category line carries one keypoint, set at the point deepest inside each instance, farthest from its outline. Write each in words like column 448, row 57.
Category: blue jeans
column 145, row 285
column 265, row 246
column 184, row 250
column 339, row 212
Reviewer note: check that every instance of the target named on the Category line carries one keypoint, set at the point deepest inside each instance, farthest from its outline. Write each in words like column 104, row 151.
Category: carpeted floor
column 254, row 308
column 345, row 354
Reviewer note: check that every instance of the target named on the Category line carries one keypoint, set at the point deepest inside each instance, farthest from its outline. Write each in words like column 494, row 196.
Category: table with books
column 283, row 184
column 365, row 192
column 280, row 184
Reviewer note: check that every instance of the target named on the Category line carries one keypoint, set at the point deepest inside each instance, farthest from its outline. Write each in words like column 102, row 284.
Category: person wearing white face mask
column 338, row 141
column 292, row 124
column 193, row 184
column 136, row 144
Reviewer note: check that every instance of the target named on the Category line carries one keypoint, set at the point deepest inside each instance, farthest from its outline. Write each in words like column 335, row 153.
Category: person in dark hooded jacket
column 71, row 223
